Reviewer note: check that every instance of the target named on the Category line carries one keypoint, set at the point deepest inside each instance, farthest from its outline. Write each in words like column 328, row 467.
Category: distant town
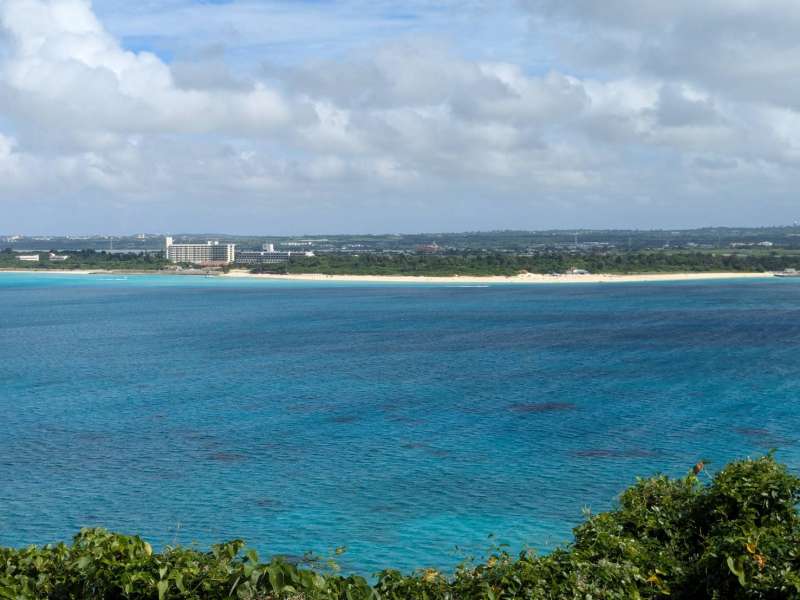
column 494, row 252
column 503, row 241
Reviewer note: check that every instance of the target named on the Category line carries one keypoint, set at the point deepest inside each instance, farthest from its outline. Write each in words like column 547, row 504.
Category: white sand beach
column 55, row 271
column 528, row 278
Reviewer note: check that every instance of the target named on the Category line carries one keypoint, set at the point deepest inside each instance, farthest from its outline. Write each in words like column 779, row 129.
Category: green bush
column 733, row 538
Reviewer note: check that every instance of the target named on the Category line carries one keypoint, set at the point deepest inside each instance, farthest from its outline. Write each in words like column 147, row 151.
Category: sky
column 370, row 116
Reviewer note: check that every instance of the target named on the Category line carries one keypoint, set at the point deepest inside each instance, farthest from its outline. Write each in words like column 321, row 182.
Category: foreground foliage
column 736, row 537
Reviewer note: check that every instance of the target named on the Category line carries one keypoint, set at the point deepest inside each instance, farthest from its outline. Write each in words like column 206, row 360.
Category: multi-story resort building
column 208, row 254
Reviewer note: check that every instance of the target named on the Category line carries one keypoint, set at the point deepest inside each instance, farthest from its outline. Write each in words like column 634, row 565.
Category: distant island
column 508, row 254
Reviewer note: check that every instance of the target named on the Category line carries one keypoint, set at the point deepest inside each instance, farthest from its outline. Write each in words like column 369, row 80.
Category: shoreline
column 528, row 278
column 102, row 272
column 54, row 271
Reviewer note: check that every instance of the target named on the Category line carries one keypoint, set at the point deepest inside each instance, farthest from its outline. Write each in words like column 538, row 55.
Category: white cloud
column 64, row 68
column 646, row 100
column 743, row 49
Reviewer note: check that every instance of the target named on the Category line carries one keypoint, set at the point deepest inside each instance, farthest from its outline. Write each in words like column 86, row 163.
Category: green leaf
column 179, row 582
column 737, row 568
column 162, row 586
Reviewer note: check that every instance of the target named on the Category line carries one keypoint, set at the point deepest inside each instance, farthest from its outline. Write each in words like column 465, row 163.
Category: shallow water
column 400, row 421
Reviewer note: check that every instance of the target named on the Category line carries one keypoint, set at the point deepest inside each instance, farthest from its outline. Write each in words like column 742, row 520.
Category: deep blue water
column 400, row 421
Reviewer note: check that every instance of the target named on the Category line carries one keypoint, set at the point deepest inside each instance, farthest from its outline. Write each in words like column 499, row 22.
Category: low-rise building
column 265, row 257
column 58, row 257
column 428, row 248
column 261, row 257
column 28, row 257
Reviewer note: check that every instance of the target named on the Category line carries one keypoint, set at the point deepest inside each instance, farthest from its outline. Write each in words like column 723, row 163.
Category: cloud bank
column 622, row 113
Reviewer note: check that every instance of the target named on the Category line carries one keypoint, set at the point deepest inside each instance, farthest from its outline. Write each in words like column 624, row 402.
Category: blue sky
column 292, row 32
column 426, row 115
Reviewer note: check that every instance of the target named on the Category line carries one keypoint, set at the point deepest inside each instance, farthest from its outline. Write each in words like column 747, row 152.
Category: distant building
column 428, row 248
column 28, row 257
column 764, row 244
column 261, row 257
column 58, row 257
column 267, row 256
column 208, row 254
column 575, row 271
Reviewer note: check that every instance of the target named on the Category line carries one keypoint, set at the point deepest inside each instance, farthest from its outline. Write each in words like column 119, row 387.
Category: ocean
column 415, row 425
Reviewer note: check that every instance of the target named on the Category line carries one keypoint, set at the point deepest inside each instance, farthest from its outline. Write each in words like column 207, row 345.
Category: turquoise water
column 400, row 421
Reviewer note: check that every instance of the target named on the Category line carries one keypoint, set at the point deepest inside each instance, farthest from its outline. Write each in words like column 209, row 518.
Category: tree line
column 491, row 263
column 86, row 259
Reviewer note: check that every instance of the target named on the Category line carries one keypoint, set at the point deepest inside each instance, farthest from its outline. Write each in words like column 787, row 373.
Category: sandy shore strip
column 527, row 278
column 55, row 271
column 119, row 272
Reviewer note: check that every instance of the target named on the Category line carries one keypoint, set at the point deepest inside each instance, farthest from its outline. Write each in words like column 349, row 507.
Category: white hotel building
column 210, row 253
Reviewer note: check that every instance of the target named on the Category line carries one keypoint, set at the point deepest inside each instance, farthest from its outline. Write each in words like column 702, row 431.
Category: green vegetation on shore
column 730, row 538
column 85, row 260
column 477, row 264
column 447, row 264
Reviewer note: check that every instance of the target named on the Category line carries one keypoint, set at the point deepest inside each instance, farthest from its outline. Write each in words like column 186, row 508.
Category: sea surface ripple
column 405, row 422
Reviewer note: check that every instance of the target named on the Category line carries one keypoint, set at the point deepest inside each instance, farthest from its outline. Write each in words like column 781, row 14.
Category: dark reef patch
column 345, row 419
column 227, row 457
column 202, row 439
column 269, row 503
column 427, row 448
column 753, row 431
column 613, row 453
column 764, row 438
column 91, row 437
column 542, row 407
column 407, row 420
column 414, row 445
